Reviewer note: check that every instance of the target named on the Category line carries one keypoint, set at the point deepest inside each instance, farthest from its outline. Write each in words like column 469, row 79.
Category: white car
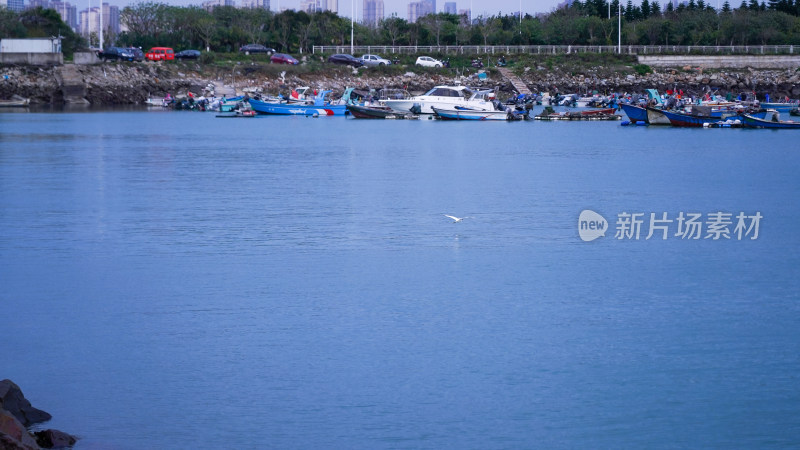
column 374, row 60
column 427, row 61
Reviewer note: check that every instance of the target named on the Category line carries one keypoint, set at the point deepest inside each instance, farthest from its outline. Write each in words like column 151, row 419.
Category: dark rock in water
column 12, row 400
column 13, row 435
column 54, row 439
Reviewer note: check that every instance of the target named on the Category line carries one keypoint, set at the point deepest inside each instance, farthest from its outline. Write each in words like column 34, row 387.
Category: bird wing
column 452, row 217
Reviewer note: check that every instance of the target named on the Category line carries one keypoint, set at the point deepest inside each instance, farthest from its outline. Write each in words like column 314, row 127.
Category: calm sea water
column 173, row 280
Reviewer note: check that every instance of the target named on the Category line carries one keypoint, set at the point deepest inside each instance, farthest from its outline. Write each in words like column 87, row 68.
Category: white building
column 372, row 12
column 211, row 4
column 14, row 5
column 89, row 21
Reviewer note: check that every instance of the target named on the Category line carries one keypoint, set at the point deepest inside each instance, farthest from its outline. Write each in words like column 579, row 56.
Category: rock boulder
column 12, row 400
column 13, row 435
column 54, row 439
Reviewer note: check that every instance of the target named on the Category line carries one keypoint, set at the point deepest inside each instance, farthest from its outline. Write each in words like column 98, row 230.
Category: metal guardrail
column 564, row 49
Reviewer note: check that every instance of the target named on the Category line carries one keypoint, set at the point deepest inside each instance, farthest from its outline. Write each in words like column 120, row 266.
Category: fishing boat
column 377, row 112
column 15, row 102
column 464, row 114
column 781, row 107
column 444, row 97
column 635, row 113
column 698, row 116
column 242, row 113
column 320, row 107
column 592, row 114
column 770, row 119
column 228, row 104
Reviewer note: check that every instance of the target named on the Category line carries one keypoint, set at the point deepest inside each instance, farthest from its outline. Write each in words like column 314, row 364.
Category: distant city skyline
column 391, row 7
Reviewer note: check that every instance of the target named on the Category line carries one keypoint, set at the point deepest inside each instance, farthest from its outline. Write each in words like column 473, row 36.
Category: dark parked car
column 349, row 60
column 188, row 54
column 256, row 48
column 121, row 54
column 283, row 58
column 138, row 54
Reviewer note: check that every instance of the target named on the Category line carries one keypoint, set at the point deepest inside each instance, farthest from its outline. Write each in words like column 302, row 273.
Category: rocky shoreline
column 130, row 84
column 17, row 416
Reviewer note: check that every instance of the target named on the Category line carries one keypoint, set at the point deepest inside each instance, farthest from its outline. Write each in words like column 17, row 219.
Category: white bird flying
column 456, row 219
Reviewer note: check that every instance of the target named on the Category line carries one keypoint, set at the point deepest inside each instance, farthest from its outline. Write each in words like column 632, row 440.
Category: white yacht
column 444, row 97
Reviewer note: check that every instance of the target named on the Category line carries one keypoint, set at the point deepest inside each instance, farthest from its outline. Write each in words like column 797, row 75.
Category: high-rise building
column 209, row 5
column 37, row 3
column 467, row 14
column 110, row 18
column 450, row 7
column 68, row 13
column 372, row 12
column 14, row 5
column 262, row 4
column 414, row 11
column 419, row 9
column 89, row 22
column 310, row 6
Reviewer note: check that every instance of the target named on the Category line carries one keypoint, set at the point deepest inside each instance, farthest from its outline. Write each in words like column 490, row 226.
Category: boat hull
column 288, row 109
column 460, row 114
column 426, row 105
column 755, row 122
column 656, row 117
column 677, row 119
column 14, row 103
column 373, row 112
column 635, row 113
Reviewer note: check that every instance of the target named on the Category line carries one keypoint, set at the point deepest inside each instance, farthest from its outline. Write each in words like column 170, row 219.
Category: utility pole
column 352, row 23
column 619, row 27
column 101, row 23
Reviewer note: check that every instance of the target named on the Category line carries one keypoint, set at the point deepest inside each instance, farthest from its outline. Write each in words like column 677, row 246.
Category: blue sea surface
column 173, row 280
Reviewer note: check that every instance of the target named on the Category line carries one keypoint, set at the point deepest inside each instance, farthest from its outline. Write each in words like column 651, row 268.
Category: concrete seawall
column 32, row 59
column 722, row 62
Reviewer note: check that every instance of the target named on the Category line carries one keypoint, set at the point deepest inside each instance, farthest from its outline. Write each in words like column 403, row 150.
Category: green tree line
column 593, row 22
column 225, row 29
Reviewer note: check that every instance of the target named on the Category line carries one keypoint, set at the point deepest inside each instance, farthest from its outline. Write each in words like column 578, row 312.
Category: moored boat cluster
column 457, row 102
column 672, row 109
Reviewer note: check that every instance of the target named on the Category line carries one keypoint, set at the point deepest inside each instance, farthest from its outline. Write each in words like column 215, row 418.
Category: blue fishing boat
column 320, row 106
column 698, row 117
column 635, row 113
column 781, row 107
column 771, row 119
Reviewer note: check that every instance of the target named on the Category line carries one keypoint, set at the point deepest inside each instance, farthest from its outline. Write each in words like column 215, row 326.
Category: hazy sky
column 399, row 7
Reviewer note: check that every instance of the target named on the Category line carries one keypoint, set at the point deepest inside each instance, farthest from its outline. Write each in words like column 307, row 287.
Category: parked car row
column 136, row 54
column 256, row 48
column 377, row 61
column 121, row 54
column 167, row 54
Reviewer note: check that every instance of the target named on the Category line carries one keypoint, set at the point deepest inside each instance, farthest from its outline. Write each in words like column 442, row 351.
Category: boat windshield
column 483, row 95
column 393, row 94
column 444, row 92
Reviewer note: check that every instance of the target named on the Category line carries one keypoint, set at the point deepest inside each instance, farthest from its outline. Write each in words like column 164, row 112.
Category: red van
column 160, row 54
